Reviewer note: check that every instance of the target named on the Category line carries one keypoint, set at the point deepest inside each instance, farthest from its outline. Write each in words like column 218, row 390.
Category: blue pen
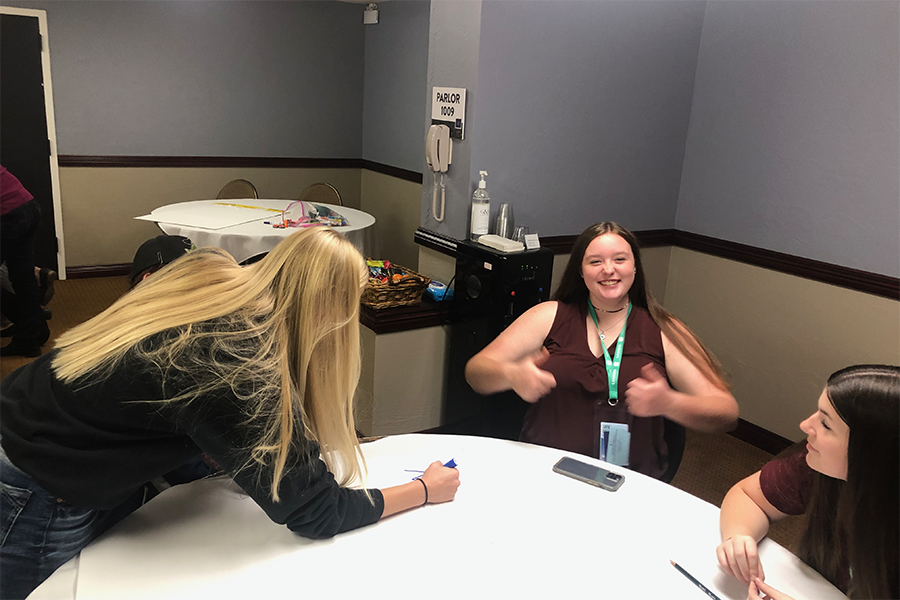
column 450, row 464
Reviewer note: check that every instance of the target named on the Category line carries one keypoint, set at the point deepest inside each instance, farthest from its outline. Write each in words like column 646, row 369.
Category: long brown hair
column 861, row 513
column 572, row 290
column 288, row 324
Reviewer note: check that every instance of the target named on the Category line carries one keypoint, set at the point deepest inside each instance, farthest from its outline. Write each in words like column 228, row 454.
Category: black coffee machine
column 491, row 290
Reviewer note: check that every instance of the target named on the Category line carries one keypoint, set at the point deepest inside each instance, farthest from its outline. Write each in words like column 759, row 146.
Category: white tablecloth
column 515, row 530
column 254, row 237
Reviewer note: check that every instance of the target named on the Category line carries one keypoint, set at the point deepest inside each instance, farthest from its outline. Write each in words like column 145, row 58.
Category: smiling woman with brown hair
column 604, row 353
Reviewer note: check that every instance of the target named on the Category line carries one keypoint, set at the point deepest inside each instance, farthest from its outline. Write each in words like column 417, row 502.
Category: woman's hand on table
column 767, row 592
column 442, row 482
column 739, row 556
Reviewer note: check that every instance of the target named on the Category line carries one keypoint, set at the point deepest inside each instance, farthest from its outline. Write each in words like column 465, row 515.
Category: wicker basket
column 405, row 292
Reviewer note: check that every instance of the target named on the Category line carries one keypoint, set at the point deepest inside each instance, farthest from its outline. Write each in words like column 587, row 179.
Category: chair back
column 323, row 193
column 675, row 436
column 237, row 189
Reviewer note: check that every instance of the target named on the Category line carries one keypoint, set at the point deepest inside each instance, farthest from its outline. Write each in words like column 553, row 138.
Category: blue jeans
column 38, row 531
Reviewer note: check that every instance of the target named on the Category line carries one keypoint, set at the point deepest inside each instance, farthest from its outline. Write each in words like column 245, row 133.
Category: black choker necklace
column 609, row 311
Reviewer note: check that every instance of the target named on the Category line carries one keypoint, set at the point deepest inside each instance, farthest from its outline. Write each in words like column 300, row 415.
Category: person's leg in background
column 46, row 279
column 18, row 230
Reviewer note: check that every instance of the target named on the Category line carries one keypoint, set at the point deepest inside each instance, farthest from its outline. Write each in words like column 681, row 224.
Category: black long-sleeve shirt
column 93, row 443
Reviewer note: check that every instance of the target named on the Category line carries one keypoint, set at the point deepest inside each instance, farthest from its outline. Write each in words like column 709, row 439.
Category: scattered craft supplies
column 307, row 214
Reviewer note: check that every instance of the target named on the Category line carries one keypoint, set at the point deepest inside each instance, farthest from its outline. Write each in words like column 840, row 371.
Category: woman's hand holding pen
column 528, row 380
column 739, row 556
column 758, row 587
column 442, row 482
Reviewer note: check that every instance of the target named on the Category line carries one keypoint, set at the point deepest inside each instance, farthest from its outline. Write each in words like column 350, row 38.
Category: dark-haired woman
column 845, row 479
column 604, row 360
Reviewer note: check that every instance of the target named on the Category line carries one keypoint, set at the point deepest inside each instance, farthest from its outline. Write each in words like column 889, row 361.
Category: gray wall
column 583, row 109
column 793, row 143
column 578, row 110
column 207, row 78
column 396, row 66
column 453, row 62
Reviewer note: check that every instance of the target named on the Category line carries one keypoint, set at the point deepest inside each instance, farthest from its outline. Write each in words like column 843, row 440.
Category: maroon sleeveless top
column 569, row 416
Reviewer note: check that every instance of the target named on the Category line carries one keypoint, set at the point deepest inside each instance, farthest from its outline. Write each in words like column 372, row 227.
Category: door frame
column 41, row 16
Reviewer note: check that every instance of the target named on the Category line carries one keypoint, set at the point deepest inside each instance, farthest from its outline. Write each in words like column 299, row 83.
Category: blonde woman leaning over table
column 256, row 366
column 560, row 356
column 845, row 479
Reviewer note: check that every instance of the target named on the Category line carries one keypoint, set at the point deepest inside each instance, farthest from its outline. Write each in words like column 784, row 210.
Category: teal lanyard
column 612, row 366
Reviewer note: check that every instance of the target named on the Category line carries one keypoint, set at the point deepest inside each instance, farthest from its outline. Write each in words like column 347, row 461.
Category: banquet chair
column 675, row 436
column 237, row 189
column 324, row 193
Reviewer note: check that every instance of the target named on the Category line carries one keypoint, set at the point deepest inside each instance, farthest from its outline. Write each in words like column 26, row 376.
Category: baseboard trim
column 98, row 271
column 245, row 162
column 249, row 162
column 396, row 172
column 815, row 270
column 760, row 437
column 853, row 279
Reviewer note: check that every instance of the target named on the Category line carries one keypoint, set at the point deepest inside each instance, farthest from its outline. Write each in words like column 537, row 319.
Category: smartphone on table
column 589, row 474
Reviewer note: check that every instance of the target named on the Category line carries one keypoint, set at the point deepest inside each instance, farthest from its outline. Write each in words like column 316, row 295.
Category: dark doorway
column 24, row 144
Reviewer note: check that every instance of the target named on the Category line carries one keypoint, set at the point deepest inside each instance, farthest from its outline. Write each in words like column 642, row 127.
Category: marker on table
column 702, row 587
column 278, row 210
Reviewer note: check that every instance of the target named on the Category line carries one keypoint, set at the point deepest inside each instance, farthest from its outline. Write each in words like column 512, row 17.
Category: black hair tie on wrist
column 426, row 491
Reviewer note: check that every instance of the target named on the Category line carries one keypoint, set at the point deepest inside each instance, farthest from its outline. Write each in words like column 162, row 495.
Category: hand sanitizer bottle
column 481, row 210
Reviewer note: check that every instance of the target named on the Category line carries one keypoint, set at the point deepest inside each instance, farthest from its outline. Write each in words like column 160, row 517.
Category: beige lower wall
column 99, row 204
column 396, row 205
column 436, row 265
column 778, row 336
column 402, row 387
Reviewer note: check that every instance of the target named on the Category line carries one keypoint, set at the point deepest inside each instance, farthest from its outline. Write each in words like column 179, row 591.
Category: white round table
column 243, row 227
column 515, row 530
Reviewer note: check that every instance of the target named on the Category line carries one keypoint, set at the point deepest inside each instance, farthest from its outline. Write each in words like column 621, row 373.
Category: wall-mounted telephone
column 438, row 149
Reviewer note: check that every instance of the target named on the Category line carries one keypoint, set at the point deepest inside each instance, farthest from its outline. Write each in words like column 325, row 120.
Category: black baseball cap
column 159, row 251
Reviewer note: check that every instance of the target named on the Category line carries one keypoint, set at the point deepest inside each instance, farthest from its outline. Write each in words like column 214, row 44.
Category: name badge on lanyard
column 615, row 438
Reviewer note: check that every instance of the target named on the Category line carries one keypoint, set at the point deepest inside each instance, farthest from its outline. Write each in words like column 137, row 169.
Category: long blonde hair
column 288, row 326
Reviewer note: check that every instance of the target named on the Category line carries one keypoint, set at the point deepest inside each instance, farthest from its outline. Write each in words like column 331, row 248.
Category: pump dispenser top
column 481, row 184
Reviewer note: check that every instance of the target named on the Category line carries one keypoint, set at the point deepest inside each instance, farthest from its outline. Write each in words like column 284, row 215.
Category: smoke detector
column 370, row 15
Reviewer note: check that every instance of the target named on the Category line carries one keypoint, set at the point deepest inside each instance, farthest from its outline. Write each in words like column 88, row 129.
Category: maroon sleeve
column 786, row 483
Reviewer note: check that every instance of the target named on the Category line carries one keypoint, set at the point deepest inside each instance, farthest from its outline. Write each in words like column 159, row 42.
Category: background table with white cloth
column 240, row 226
column 515, row 530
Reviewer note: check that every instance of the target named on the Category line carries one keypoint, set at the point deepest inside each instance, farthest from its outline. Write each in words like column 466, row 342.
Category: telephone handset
column 438, row 148
column 437, row 152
